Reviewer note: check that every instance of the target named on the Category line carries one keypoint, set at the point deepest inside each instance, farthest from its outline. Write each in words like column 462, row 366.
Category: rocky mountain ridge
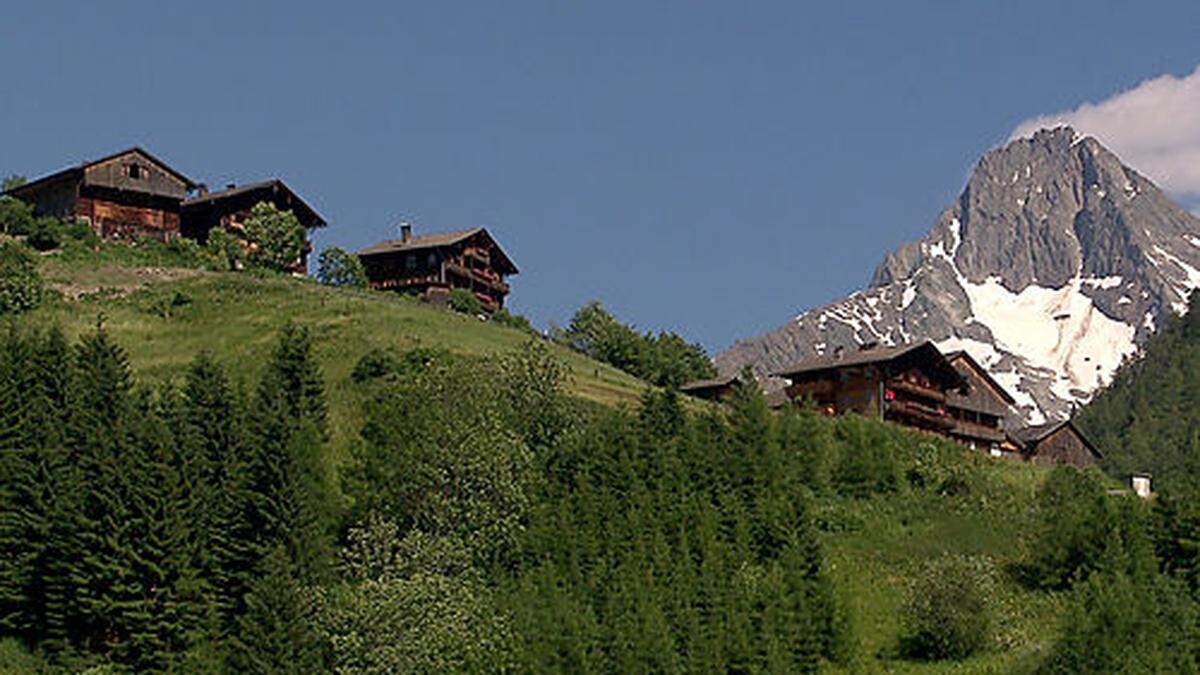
column 1051, row 267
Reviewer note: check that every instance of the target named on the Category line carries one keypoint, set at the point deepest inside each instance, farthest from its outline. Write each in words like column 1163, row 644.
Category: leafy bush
column 382, row 363
column 16, row 217
column 226, row 248
column 276, row 238
column 948, row 612
column 504, row 317
column 665, row 359
column 80, row 231
column 336, row 267
column 46, row 234
column 21, row 285
column 465, row 302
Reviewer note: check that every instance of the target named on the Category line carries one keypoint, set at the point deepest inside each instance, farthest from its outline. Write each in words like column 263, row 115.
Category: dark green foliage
column 1177, row 533
column 665, row 359
column 1148, row 419
column 45, row 235
column 1122, row 623
column 948, row 611
column 465, row 302
column 504, row 317
column 1081, row 530
column 276, row 632
column 380, row 364
column 672, row 542
column 135, row 525
column 21, row 286
column 16, row 217
column 337, row 267
column 868, row 464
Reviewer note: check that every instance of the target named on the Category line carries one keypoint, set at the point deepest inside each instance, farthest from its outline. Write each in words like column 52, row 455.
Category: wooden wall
column 1063, row 447
column 152, row 179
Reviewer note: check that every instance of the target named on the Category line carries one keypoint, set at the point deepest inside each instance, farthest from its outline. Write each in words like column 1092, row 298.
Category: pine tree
column 275, row 632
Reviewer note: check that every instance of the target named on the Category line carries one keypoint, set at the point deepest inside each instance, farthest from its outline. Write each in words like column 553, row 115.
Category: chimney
column 202, row 190
column 405, row 232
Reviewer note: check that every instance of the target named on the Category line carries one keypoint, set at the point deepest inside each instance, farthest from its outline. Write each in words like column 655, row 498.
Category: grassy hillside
column 165, row 313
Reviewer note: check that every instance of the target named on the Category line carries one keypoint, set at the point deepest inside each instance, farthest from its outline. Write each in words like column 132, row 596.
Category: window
column 135, row 171
column 411, row 261
column 433, row 260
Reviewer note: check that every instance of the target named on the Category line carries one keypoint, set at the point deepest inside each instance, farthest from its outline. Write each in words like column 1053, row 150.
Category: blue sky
column 711, row 168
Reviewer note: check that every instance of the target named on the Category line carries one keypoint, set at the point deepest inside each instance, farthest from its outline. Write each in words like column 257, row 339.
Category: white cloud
column 1154, row 127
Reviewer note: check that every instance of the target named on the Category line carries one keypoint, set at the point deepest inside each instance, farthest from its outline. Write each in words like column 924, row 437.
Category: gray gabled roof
column 1032, row 435
column 436, row 240
column 864, row 357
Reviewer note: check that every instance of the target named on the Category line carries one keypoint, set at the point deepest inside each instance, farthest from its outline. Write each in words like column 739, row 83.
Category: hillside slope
column 1056, row 261
column 165, row 314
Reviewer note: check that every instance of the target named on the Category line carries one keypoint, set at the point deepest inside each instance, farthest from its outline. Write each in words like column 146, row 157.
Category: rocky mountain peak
column 1052, row 265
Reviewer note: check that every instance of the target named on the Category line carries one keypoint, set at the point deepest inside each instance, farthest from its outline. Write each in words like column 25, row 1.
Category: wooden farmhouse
column 133, row 194
column 979, row 408
column 918, row 387
column 431, row 265
column 128, row 195
column 230, row 208
column 909, row 385
column 1057, row 443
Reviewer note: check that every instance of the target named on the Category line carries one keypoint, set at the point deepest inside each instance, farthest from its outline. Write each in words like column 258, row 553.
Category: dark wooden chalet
column 979, row 408
column 431, row 265
column 1057, row 443
column 230, row 208
column 909, row 385
column 714, row 389
column 124, row 195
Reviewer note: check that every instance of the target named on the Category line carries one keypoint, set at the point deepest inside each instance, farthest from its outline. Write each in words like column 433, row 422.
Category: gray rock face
column 1054, row 263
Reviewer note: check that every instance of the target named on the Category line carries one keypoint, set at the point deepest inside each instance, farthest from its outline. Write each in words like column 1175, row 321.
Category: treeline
column 486, row 521
column 1148, row 419
column 160, row 530
column 665, row 359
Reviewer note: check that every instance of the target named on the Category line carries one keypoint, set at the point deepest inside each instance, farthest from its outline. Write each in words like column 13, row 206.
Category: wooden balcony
column 477, row 277
column 917, row 389
column 919, row 414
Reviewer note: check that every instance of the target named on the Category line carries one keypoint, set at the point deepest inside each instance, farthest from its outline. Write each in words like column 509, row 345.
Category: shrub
column 16, row 217
column 226, row 248
column 666, row 359
column 336, row 267
column 465, row 302
column 80, row 231
column 504, row 317
column 21, row 285
column 46, row 234
column 276, row 237
column 948, row 613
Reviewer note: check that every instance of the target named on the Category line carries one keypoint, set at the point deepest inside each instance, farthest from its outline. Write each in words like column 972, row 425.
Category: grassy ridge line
column 236, row 317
